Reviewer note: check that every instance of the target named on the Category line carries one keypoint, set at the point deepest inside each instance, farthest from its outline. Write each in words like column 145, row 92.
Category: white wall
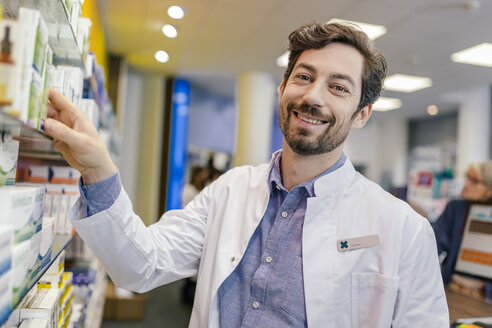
column 473, row 127
column 141, row 140
column 130, row 132
column 381, row 146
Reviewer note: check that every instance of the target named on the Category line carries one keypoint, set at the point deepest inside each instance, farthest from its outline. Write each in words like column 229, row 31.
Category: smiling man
column 305, row 240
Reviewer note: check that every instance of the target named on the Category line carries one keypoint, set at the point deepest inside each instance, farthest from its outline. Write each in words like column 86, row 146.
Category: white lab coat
column 397, row 283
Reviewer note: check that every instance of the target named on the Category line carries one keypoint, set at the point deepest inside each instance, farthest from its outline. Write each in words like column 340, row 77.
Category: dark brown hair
column 316, row 36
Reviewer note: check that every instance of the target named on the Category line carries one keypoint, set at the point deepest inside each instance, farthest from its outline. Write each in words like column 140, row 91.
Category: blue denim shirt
column 266, row 289
column 101, row 195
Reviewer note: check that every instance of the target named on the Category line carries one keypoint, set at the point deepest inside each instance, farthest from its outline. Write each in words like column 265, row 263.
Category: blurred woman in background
column 477, row 188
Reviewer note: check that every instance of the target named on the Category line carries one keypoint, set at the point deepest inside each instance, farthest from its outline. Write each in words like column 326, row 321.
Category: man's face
column 318, row 101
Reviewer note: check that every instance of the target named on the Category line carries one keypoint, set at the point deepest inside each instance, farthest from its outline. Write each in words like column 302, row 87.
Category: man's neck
column 296, row 169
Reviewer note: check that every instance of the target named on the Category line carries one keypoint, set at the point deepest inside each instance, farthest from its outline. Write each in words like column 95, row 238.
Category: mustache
column 305, row 108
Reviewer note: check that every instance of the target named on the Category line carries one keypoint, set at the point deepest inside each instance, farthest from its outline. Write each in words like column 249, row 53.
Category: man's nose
column 314, row 95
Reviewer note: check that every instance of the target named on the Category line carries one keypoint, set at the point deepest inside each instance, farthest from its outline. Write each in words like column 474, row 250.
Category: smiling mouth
column 309, row 120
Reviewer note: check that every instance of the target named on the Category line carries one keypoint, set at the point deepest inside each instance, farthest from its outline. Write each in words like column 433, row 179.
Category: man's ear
column 362, row 117
column 281, row 88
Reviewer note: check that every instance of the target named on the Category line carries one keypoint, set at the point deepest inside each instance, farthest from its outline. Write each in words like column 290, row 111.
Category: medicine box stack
column 60, row 184
column 29, row 72
column 50, row 301
column 25, row 86
column 22, row 212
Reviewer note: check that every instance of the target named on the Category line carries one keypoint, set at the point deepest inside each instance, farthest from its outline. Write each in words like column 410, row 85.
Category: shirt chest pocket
column 373, row 299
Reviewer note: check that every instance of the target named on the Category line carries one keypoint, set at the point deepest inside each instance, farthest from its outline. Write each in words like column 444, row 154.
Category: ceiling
column 218, row 39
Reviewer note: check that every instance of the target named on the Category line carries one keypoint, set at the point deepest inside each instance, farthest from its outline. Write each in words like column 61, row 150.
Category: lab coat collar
column 332, row 181
column 327, row 183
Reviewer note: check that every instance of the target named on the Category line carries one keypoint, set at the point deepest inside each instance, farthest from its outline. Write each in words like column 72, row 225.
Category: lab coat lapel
column 320, row 258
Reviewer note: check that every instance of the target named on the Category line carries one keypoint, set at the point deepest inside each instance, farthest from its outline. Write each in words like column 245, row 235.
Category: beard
column 299, row 139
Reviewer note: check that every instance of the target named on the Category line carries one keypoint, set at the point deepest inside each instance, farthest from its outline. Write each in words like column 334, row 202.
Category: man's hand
column 77, row 139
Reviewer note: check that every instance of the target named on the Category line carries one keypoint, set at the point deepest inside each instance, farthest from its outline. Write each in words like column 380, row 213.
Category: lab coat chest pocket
column 373, row 299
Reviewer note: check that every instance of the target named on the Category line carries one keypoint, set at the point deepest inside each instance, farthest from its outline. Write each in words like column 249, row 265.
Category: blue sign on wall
column 178, row 143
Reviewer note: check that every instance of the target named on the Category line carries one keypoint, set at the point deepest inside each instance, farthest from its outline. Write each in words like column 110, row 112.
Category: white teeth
column 305, row 119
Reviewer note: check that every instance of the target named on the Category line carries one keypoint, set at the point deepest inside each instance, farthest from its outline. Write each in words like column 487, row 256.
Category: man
column 303, row 241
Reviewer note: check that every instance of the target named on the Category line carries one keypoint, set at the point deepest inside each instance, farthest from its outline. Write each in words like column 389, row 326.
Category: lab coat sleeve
column 140, row 258
column 421, row 300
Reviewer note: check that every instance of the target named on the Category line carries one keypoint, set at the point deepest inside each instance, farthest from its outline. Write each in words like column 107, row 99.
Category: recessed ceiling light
column 283, row 60
column 385, row 104
column 169, row 31
column 175, row 12
column 372, row 31
column 432, row 110
column 406, row 83
column 478, row 55
column 161, row 56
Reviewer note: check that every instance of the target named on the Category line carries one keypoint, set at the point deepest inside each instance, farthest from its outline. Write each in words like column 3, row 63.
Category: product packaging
column 20, row 207
column 7, row 66
column 35, row 323
column 11, row 74
column 74, row 17
column 20, row 270
column 42, row 247
column 6, row 235
column 37, row 174
column 90, row 108
column 64, row 175
column 9, row 151
column 51, row 281
column 74, row 83
column 33, row 64
column 5, row 295
column 44, row 305
column 83, row 34
column 56, row 79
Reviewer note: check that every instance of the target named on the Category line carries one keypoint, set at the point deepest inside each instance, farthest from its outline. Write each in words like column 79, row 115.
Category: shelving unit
column 60, row 243
column 31, row 141
column 62, row 40
column 35, row 146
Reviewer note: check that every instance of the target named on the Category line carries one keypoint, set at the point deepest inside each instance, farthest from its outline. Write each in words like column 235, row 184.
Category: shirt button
column 284, row 214
column 256, row 305
column 233, row 259
column 268, row 259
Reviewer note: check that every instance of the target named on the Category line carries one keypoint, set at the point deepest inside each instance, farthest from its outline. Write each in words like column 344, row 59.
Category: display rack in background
column 45, row 45
column 432, row 182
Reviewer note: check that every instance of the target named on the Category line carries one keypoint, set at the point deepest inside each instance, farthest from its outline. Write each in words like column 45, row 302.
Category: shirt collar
column 275, row 178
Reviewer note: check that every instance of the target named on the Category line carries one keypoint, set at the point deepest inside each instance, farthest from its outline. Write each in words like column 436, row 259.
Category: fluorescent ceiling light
column 169, row 31
column 175, row 12
column 161, row 56
column 384, row 104
column 283, row 60
column 372, row 31
column 478, row 55
column 406, row 83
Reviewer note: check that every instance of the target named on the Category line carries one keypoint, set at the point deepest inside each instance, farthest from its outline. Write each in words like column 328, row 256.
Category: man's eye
column 304, row 77
column 340, row 88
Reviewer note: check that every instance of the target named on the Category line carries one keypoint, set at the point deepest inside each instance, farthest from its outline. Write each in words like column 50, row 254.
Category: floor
column 163, row 309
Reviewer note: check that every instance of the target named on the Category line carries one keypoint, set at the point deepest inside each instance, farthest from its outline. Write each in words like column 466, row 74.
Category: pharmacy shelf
column 32, row 142
column 60, row 242
column 63, row 40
